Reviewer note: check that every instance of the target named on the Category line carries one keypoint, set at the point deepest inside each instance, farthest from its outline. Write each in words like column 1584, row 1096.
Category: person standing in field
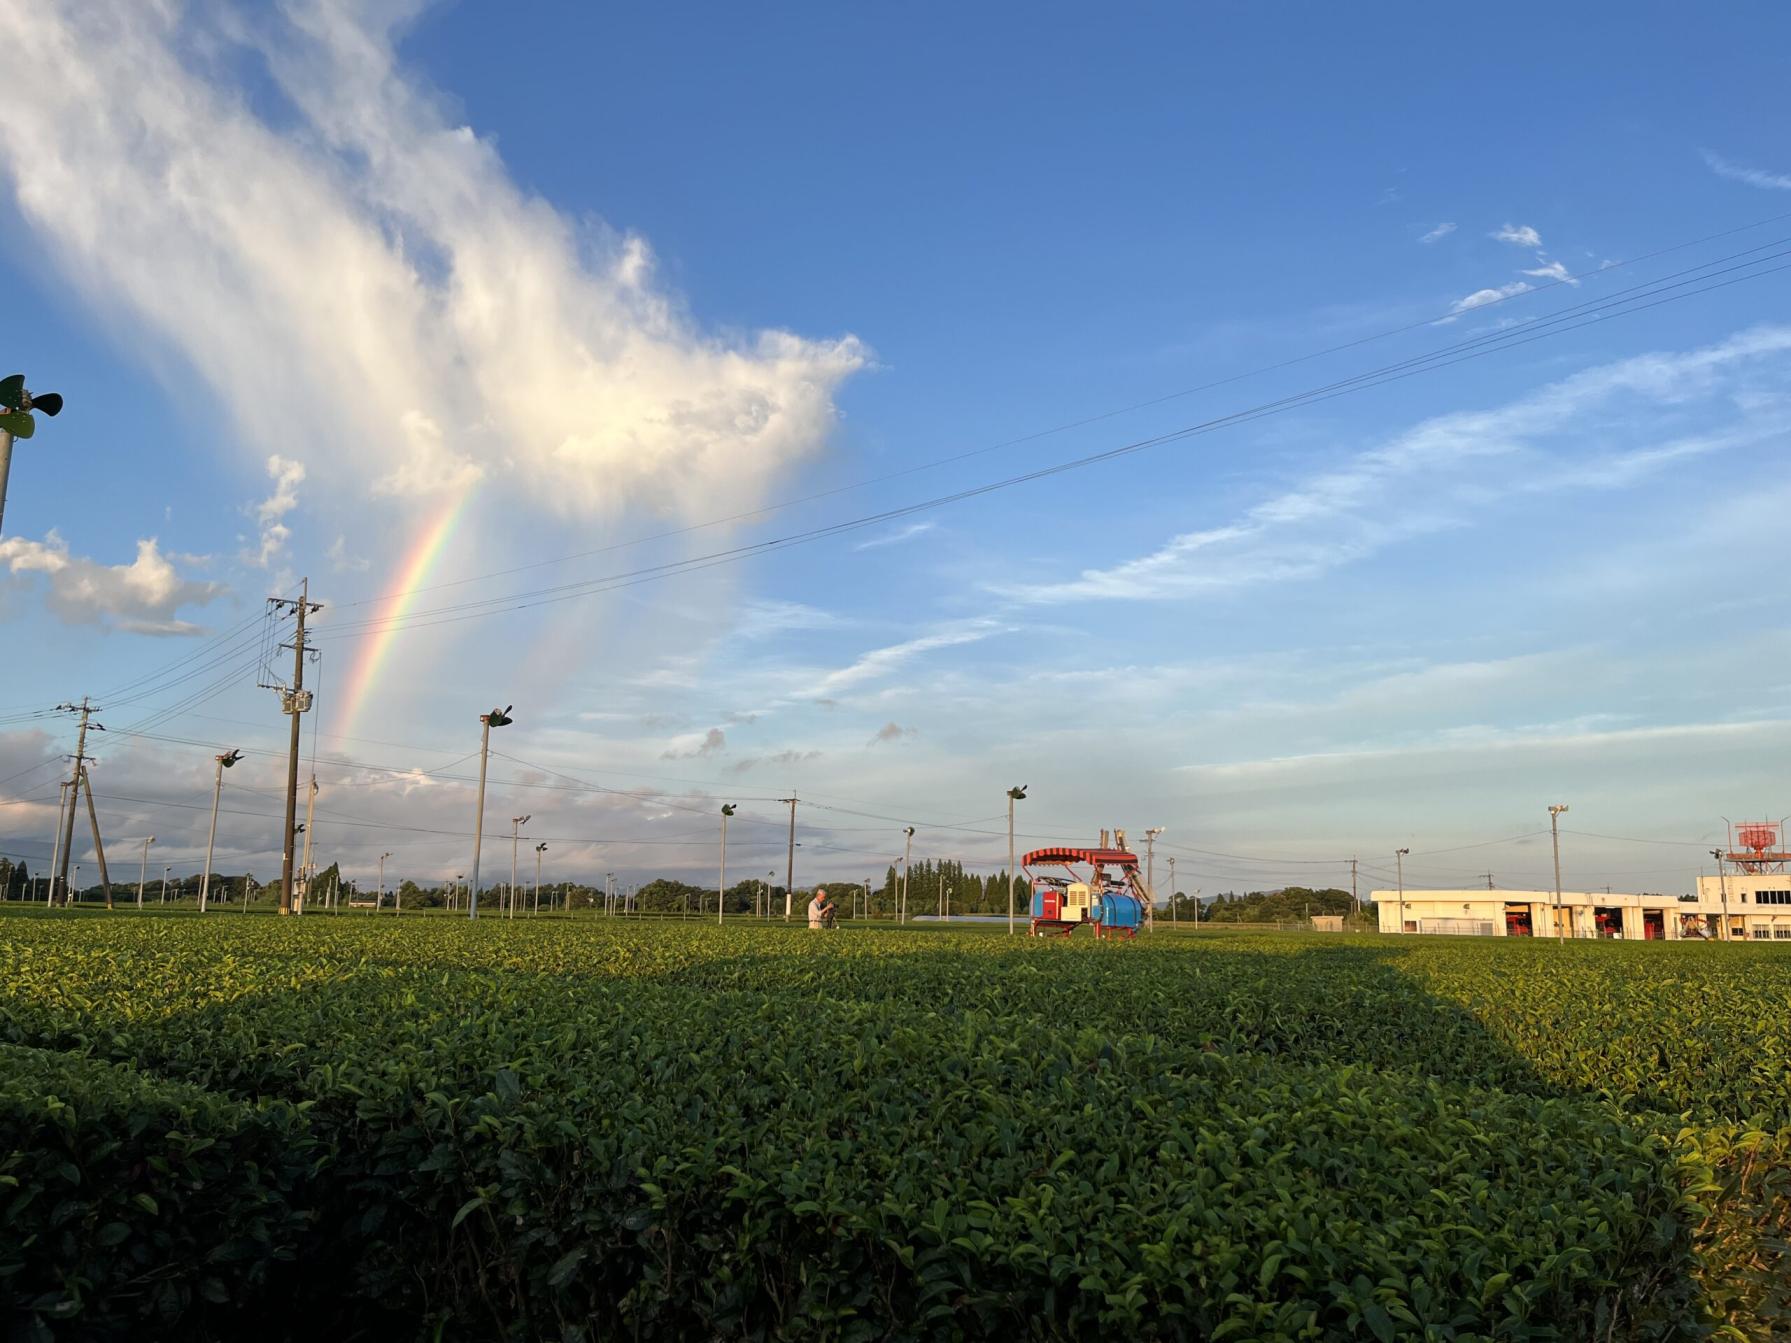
column 820, row 910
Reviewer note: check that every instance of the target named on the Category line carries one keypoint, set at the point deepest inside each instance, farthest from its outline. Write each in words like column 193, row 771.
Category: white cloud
column 897, row 536
column 1481, row 297
column 1446, row 472
column 696, row 747
column 1554, row 270
column 1754, row 177
column 1438, row 233
column 143, row 596
column 271, row 511
column 368, row 288
column 1521, row 234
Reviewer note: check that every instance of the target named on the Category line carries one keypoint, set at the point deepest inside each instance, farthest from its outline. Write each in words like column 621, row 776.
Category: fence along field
column 426, row 1129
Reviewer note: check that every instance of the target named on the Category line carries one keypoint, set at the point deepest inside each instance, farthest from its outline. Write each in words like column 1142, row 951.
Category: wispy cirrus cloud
column 1754, row 177
column 1447, row 471
column 508, row 340
column 896, row 537
column 1438, row 233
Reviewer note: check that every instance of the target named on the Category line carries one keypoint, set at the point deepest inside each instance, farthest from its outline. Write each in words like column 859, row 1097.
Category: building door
column 1654, row 925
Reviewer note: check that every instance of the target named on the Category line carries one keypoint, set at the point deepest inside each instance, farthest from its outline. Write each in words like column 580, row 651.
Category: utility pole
column 1150, row 876
column 1013, row 795
column 1554, row 829
column 907, row 853
column 99, row 848
column 85, row 709
column 721, row 884
column 1174, row 916
column 165, row 872
column 790, row 865
column 1399, row 858
column 539, row 850
column 516, row 825
column 294, row 702
column 487, row 721
column 379, row 892
column 1489, row 880
column 1355, row 900
column 143, row 870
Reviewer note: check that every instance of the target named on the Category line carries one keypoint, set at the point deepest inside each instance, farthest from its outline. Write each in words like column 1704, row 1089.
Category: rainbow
column 389, row 611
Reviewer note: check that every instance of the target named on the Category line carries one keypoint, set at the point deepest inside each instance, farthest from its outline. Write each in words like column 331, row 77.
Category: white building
column 1741, row 905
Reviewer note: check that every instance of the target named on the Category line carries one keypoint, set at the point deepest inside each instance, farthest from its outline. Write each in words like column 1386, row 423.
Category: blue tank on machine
column 1120, row 913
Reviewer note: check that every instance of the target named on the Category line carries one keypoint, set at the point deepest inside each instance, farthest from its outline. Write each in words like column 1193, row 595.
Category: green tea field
column 425, row 1128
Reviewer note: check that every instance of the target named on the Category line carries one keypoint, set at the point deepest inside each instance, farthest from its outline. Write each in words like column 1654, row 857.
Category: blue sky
column 311, row 276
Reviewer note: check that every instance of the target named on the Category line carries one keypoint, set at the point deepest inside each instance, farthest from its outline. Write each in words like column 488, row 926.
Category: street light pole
column 539, row 850
column 143, row 871
column 487, row 721
column 1399, row 858
column 225, row 761
column 1013, row 795
column 1554, row 829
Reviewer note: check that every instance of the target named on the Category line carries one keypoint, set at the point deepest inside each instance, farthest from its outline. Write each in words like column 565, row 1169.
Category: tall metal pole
column 1554, row 828
column 165, row 872
column 379, row 892
column 1355, row 901
column 486, row 723
column 143, row 870
column 721, row 884
column 1399, row 858
column 296, row 704
column 1150, row 875
column 1174, row 914
column 1013, row 796
column 790, row 864
column 516, row 825
column 5, row 468
column 539, row 848
column 217, row 792
column 1722, row 876
column 907, row 853
column 74, row 800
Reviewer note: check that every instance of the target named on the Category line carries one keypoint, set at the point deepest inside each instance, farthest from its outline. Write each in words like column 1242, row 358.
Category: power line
column 1573, row 319
column 1084, row 422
